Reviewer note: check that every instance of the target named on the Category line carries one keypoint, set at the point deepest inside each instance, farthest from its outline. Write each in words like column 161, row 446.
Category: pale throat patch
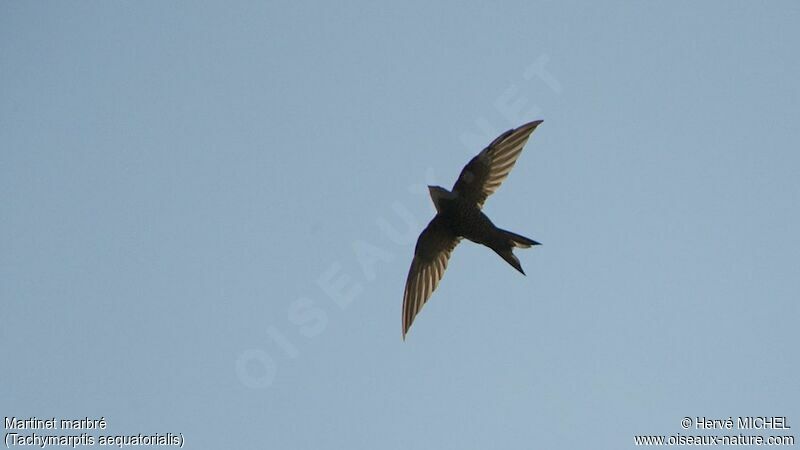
column 437, row 195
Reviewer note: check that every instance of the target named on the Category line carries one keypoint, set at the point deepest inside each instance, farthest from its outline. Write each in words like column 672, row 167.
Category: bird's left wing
column 486, row 171
column 431, row 255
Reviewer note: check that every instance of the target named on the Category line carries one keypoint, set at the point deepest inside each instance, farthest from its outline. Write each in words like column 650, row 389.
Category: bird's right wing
column 431, row 255
column 486, row 171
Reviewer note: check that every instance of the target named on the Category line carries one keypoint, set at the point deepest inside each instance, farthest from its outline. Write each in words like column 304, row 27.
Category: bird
column 459, row 215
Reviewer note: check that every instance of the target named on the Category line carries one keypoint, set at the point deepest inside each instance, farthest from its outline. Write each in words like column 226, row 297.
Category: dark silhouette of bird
column 459, row 215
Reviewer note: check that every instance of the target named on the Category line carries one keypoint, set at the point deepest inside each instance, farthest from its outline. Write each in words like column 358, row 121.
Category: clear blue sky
column 204, row 207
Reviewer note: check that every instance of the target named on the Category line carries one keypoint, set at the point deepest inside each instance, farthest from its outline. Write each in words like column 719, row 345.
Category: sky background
column 208, row 210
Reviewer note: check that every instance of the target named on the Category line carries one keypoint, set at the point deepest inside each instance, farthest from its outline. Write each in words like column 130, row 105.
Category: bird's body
column 459, row 215
column 464, row 218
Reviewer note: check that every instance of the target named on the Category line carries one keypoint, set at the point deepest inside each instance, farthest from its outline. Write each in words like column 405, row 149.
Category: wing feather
column 484, row 174
column 434, row 246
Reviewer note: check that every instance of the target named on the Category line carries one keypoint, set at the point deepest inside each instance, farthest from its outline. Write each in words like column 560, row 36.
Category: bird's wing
column 431, row 254
column 486, row 171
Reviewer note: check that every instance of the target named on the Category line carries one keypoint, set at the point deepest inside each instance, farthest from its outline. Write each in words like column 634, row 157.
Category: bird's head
column 439, row 193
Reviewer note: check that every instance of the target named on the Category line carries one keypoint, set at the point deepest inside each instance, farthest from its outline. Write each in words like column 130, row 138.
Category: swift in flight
column 459, row 215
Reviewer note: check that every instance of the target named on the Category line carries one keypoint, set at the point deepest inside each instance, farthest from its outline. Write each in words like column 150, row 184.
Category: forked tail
column 519, row 241
column 506, row 249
